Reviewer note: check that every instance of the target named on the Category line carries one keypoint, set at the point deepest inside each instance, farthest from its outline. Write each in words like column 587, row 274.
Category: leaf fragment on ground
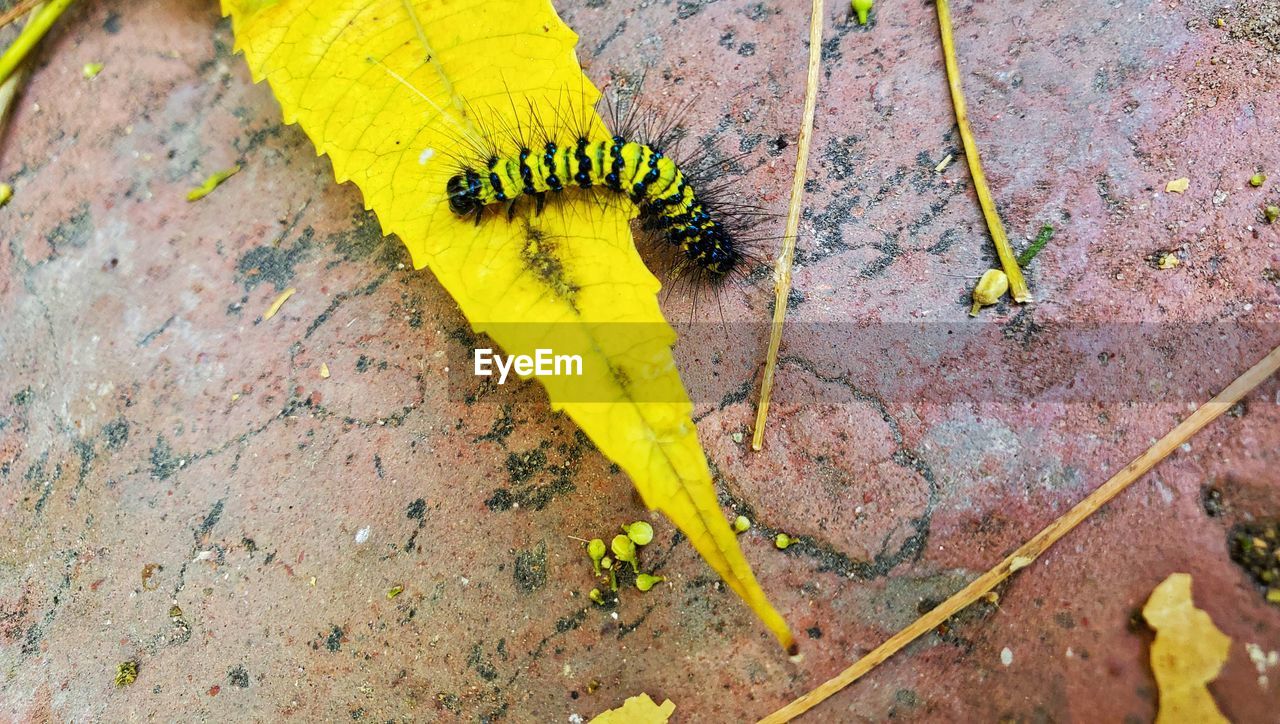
column 211, row 183
column 279, row 302
column 1178, row 185
column 638, row 709
column 1187, row 654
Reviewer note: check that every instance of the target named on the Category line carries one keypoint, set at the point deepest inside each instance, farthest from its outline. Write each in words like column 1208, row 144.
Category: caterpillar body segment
column 648, row 177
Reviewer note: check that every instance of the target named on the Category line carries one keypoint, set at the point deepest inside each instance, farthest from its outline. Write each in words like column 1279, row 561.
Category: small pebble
column 362, row 535
column 1006, row 656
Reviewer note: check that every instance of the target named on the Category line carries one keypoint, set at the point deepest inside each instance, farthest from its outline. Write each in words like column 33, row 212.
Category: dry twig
column 782, row 272
column 1008, row 261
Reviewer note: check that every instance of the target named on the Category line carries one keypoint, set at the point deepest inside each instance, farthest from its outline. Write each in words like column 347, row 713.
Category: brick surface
column 162, row 446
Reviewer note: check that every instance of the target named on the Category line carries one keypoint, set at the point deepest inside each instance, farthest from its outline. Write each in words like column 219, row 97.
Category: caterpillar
column 652, row 180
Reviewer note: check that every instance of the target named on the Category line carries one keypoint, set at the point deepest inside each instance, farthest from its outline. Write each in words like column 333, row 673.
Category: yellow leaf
column 391, row 90
column 1187, row 654
column 1177, row 186
column 637, row 710
column 279, row 302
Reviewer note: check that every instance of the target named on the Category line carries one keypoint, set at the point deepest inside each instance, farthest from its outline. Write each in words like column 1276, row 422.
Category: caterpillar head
column 462, row 200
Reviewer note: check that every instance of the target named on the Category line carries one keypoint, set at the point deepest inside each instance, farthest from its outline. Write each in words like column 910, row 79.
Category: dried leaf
column 279, row 302
column 1187, row 654
column 637, row 710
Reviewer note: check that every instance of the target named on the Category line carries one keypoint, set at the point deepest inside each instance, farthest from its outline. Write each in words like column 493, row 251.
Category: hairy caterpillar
column 665, row 194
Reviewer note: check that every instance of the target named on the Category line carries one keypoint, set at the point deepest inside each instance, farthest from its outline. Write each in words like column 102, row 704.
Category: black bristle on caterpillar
column 677, row 204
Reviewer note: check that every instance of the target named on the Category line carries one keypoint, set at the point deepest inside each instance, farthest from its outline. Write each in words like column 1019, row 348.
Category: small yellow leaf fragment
column 275, row 307
column 1177, row 185
column 6, row 193
column 638, row 709
column 1169, row 261
column 126, row 673
column 1020, row 562
column 91, row 70
column 324, row 370
column 394, row 591
column 211, row 183
column 1187, row 654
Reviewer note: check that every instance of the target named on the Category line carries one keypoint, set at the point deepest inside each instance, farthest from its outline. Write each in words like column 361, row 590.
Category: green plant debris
column 126, row 673
column 624, row 550
column 39, row 21
column 741, row 524
column 212, row 183
column 606, row 560
column 595, row 549
column 783, row 541
column 1257, row 180
column 394, row 591
column 6, row 193
column 1255, row 547
column 993, row 285
column 1042, row 239
column 644, row 581
column 640, row 532
column 861, row 8
column 91, row 70
column 1272, row 213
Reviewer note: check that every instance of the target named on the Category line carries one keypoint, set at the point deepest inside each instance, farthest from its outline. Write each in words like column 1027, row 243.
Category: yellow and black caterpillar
column 652, row 180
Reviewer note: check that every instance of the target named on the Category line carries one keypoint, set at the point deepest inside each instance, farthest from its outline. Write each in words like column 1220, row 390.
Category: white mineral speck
column 1006, row 656
column 362, row 535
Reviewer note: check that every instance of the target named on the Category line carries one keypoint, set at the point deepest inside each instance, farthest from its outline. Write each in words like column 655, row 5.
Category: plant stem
column 782, row 272
column 19, row 10
column 1017, row 284
column 1042, row 239
column 9, row 88
column 30, row 35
